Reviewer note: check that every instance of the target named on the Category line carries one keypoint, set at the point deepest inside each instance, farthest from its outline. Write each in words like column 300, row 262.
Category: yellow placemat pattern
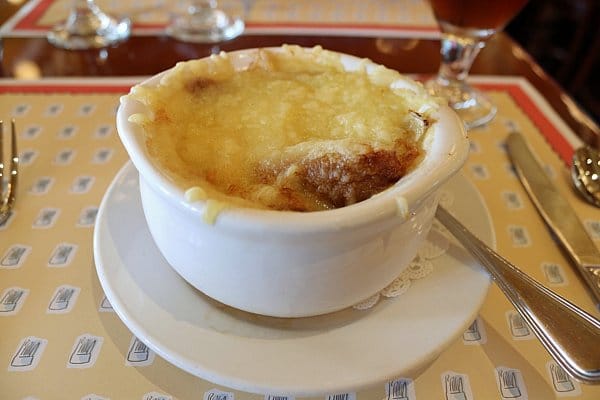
column 60, row 339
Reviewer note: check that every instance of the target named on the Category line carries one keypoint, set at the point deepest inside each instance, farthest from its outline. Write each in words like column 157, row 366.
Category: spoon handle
column 569, row 334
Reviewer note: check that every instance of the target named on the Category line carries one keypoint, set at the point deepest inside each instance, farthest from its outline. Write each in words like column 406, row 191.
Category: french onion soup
column 289, row 130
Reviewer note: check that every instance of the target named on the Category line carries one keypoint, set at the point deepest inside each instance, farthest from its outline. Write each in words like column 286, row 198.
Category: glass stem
column 197, row 6
column 458, row 54
column 85, row 18
column 84, row 8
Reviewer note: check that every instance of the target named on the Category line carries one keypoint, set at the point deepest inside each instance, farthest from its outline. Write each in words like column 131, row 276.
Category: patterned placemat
column 60, row 337
column 385, row 18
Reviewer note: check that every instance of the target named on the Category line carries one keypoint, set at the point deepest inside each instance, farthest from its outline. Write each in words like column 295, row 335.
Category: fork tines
column 10, row 191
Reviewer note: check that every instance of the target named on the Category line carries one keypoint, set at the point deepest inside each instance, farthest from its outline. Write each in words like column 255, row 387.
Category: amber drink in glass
column 465, row 27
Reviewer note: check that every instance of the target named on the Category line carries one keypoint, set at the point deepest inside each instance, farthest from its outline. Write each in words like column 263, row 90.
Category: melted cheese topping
column 293, row 130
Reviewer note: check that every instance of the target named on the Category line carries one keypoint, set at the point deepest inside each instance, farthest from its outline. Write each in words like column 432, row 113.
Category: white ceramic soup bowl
column 294, row 264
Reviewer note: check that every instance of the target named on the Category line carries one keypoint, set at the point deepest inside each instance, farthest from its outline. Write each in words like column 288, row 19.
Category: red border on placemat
column 65, row 88
column 545, row 126
column 29, row 21
column 554, row 137
column 342, row 26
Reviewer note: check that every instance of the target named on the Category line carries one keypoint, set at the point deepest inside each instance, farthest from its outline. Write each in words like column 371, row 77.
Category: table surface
column 70, row 153
column 147, row 55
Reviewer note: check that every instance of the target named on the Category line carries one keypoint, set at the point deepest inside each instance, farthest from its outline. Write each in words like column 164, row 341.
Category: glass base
column 206, row 26
column 473, row 107
column 90, row 31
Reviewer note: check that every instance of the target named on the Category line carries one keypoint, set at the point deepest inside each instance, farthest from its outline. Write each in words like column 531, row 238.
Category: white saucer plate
column 335, row 353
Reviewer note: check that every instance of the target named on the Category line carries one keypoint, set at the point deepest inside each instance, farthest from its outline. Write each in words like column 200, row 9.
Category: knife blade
column 557, row 213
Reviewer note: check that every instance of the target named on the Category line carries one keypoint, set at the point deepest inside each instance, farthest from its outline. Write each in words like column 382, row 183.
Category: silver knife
column 557, row 212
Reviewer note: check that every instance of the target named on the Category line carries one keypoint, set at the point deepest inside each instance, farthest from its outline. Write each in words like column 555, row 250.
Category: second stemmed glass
column 88, row 27
column 466, row 25
column 207, row 21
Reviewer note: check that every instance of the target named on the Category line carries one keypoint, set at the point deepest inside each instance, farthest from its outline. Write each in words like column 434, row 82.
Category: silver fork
column 567, row 332
column 9, row 194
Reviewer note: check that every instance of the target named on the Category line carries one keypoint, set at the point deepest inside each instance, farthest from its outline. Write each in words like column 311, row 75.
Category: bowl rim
column 446, row 150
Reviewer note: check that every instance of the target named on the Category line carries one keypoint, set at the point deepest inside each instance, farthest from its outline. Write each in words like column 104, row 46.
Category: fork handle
column 568, row 333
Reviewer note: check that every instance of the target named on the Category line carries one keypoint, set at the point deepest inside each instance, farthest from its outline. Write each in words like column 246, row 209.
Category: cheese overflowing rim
column 288, row 129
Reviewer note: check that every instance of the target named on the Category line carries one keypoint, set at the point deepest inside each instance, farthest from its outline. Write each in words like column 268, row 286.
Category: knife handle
column 567, row 332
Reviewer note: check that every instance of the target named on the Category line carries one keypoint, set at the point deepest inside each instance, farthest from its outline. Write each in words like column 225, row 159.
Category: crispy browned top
column 333, row 180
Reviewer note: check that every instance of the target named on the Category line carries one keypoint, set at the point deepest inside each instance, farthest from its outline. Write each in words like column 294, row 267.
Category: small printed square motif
column 82, row 184
column 14, row 257
column 12, row 300
column 519, row 236
column 41, row 185
column 102, row 156
column 480, row 171
column 85, row 351
column 87, row 217
column 46, row 218
column 27, row 157
column 63, row 300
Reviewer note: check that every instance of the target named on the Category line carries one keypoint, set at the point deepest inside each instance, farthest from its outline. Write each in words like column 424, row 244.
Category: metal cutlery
column 585, row 173
column 9, row 193
column 568, row 333
column 557, row 213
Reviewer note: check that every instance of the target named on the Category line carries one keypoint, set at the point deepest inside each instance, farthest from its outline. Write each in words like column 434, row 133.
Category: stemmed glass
column 209, row 21
column 88, row 27
column 466, row 25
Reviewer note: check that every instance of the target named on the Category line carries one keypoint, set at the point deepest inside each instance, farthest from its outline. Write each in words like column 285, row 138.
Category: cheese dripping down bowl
column 226, row 160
